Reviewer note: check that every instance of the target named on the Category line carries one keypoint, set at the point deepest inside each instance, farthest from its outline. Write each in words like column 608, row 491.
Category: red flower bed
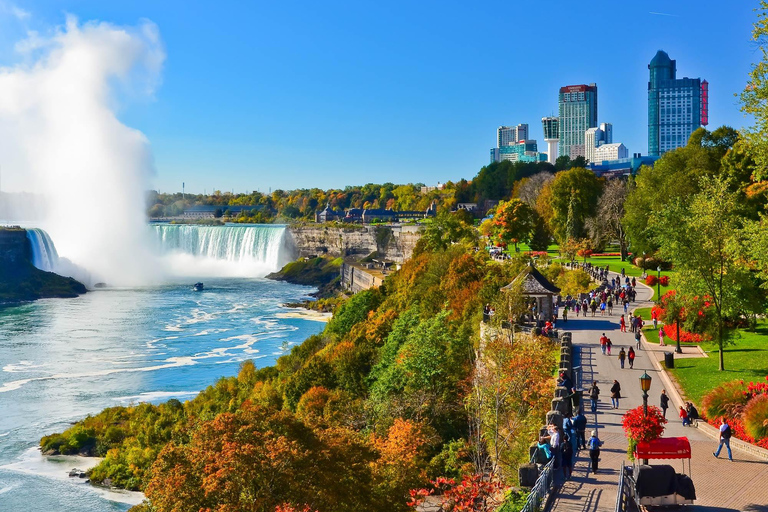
column 536, row 253
column 651, row 280
column 685, row 337
column 739, row 432
column 605, row 254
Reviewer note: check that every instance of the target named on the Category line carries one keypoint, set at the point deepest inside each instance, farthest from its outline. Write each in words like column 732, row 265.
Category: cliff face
column 14, row 247
column 395, row 243
column 20, row 280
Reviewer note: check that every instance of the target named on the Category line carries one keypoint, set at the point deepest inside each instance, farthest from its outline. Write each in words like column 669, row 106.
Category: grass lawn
column 745, row 360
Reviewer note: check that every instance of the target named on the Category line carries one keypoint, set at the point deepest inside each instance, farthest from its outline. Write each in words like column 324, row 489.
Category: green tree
column 703, row 241
column 754, row 98
column 577, row 190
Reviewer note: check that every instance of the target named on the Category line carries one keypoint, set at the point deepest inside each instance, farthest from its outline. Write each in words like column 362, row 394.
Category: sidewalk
column 721, row 486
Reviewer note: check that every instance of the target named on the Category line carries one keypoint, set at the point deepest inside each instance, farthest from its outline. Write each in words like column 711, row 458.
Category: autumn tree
column 754, row 98
column 514, row 222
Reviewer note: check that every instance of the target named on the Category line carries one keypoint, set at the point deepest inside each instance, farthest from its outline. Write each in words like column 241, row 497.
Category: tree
column 610, row 213
column 754, row 98
column 528, row 189
column 444, row 230
column 514, row 222
column 576, row 190
column 703, row 241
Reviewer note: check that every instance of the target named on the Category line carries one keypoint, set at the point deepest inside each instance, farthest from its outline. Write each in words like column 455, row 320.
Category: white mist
column 60, row 137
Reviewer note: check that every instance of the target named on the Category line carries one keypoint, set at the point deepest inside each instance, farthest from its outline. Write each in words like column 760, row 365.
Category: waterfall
column 44, row 255
column 245, row 251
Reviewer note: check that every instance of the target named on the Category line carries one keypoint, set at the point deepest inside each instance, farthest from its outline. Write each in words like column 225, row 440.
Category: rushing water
column 62, row 359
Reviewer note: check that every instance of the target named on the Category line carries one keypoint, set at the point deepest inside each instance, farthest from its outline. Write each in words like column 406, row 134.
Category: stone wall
column 356, row 280
column 394, row 242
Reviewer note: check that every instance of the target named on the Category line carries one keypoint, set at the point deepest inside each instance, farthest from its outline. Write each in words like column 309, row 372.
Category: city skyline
column 268, row 96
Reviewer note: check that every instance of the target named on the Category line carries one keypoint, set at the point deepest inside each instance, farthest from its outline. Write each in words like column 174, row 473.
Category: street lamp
column 645, row 385
column 658, row 283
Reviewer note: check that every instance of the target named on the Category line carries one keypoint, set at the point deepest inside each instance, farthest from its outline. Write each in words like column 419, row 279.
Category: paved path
column 721, row 486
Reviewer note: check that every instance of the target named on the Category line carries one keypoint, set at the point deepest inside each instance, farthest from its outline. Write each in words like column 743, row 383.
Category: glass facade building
column 676, row 106
column 506, row 135
column 577, row 105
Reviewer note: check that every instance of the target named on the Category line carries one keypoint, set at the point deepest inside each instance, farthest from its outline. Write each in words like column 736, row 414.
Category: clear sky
column 293, row 94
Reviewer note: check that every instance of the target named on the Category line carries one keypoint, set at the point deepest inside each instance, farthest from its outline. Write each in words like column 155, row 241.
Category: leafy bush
column 756, row 417
column 727, row 400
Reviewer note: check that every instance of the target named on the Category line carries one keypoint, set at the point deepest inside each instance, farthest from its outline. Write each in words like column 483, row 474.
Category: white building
column 508, row 135
column 596, row 137
column 605, row 152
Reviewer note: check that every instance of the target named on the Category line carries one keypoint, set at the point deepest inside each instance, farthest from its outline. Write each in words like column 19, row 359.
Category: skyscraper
column 676, row 106
column 508, row 135
column 577, row 105
column 551, row 126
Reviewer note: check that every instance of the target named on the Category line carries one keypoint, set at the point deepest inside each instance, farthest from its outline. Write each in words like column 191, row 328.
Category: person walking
column 622, row 357
column 580, row 425
column 638, row 336
column 565, row 314
column 594, row 393
column 608, row 345
column 661, row 336
column 725, row 439
column 603, row 341
column 664, row 402
column 615, row 394
column 631, row 357
column 594, row 445
column 622, row 324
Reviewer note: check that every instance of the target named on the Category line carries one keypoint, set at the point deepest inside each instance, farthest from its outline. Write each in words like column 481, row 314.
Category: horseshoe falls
column 221, row 251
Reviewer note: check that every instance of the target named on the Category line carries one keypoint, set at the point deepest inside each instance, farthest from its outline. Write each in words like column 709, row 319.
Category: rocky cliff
column 20, row 280
column 395, row 243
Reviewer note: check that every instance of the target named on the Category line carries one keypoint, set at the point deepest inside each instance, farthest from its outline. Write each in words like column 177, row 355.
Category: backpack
column 727, row 432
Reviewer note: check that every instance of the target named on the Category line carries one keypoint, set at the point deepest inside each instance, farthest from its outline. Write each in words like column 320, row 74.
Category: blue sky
column 299, row 94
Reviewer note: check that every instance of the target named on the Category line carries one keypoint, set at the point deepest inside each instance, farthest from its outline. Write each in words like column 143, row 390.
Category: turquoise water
column 63, row 359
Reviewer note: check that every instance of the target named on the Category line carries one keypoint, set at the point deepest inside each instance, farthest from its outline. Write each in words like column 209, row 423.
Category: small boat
column 198, row 287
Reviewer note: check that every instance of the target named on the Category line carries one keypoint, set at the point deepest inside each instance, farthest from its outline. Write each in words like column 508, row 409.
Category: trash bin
column 669, row 359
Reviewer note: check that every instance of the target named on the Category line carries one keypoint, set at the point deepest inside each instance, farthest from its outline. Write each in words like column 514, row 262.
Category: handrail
column 623, row 494
column 540, row 489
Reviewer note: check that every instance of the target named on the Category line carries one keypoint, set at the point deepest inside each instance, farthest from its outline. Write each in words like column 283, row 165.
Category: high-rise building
column 551, row 126
column 508, row 135
column 676, row 106
column 577, row 105
column 596, row 137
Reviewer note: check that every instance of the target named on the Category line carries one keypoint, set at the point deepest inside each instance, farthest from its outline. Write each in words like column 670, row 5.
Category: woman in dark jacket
column 615, row 394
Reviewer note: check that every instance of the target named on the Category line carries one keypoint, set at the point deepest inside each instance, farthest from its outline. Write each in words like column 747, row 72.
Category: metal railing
column 541, row 489
column 624, row 494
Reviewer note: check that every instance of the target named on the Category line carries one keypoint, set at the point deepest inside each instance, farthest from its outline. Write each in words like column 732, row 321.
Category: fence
column 541, row 489
column 623, row 496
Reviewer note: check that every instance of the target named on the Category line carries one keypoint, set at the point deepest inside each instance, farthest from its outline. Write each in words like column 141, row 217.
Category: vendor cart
column 659, row 485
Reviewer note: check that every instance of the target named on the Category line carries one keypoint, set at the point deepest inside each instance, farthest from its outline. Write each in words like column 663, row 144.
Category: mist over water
column 60, row 138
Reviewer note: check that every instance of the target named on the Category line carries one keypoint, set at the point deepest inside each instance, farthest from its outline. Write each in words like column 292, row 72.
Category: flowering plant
column 651, row 280
column 641, row 427
column 664, row 280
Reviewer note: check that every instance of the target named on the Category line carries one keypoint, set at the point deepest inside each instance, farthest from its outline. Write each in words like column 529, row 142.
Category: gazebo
column 536, row 286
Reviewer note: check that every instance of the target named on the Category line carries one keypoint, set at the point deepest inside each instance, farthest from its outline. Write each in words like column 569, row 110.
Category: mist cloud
column 60, row 137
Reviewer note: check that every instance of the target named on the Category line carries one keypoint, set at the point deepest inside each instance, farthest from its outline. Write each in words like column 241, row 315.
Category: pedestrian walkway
column 721, row 486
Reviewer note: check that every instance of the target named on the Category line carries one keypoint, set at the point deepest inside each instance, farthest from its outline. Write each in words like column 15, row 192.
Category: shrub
column 640, row 261
column 651, row 280
column 727, row 400
column 664, row 280
column 756, row 417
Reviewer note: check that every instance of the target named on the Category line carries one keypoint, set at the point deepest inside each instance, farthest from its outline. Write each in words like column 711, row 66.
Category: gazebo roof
column 533, row 283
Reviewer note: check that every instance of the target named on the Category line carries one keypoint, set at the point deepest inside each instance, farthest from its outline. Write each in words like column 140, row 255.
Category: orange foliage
column 313, row 402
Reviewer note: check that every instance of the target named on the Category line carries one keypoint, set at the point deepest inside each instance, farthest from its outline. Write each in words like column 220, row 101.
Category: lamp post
column 645, row 385
column 658, row 283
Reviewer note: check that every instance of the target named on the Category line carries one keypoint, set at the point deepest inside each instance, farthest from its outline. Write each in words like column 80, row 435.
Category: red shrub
column 664, row 280
column 651, row 280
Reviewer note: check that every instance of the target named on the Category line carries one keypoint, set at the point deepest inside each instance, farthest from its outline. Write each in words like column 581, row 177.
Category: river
column 62, row 359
